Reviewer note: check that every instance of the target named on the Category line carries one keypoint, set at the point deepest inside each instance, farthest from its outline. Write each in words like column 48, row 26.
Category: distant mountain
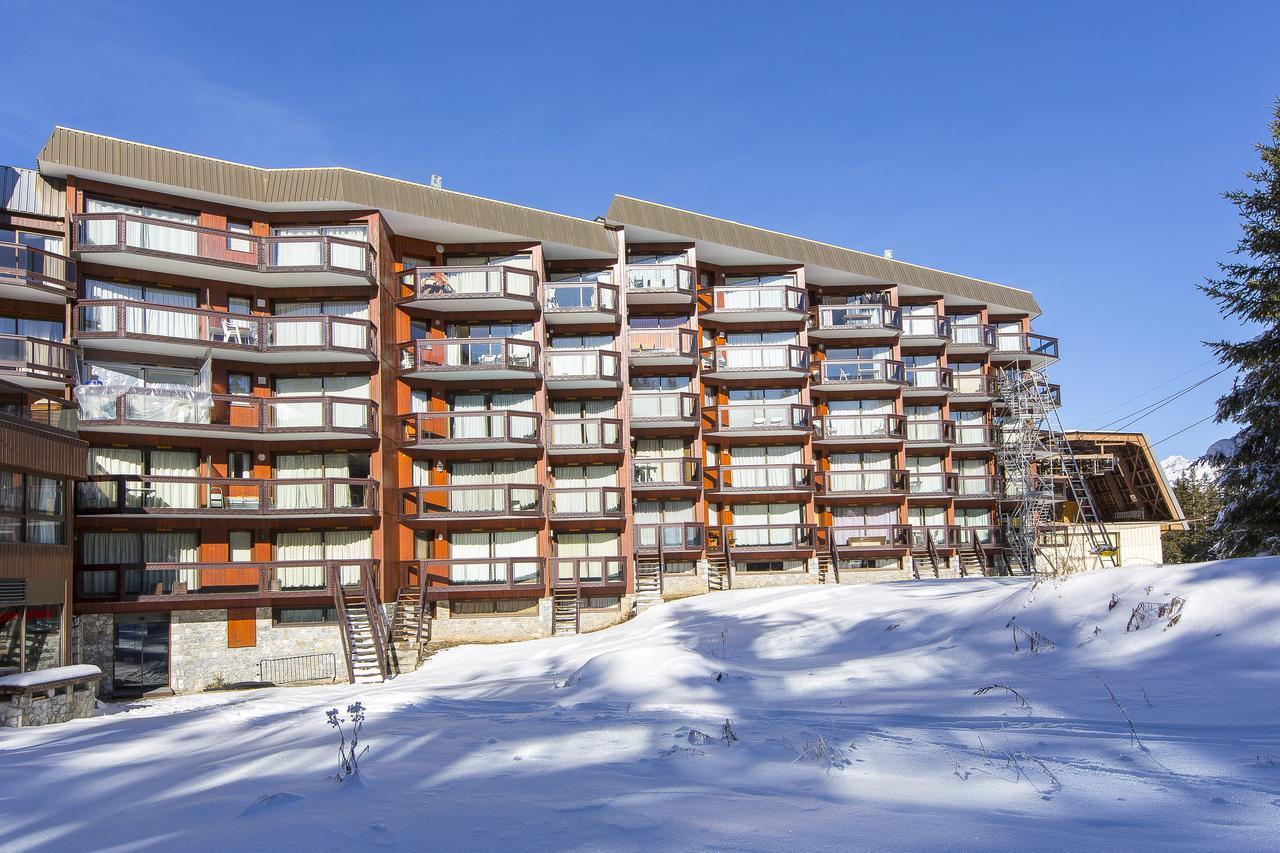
column 1177, row 467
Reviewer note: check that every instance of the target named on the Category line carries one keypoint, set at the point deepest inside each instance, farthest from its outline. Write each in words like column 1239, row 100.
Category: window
column 32, row 509
column 45, row 330
column 30, row 238
column 240, row 545
column 239, row 244
column 239, row 464
column 495, row 607
column 771, row 566
column 238, row 305
column 31, row 636
column 239, row 383
column 306, row 616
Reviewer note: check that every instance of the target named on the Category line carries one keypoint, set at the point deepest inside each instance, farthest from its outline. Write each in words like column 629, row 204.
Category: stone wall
column 447, row 628
column 595, row 620
column 680, row 586
column 755, row 580
column 199, row 657
column 44, row 707
column 94, row 643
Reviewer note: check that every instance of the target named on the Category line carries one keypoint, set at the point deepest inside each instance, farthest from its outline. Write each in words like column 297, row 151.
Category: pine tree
column 1249, row 522
column 1200, row 502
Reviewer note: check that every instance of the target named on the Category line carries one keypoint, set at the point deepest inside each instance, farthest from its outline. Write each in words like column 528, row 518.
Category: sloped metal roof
column 28, row 192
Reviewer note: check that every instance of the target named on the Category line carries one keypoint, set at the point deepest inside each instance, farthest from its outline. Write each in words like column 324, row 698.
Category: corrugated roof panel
column 27, row 191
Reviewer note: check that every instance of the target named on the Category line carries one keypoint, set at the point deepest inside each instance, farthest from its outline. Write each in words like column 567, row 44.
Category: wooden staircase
column 410, row 630
column 566, row 608
column 924, row 556
column 719, row 570
column 973, row 561
column 828, row 565
column 366, row 658
column 648, row 581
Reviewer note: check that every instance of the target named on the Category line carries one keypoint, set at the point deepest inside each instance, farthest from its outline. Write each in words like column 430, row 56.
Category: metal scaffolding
column 1034, row 452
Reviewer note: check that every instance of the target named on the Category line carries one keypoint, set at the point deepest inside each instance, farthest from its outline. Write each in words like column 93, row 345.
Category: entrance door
column 141, row 653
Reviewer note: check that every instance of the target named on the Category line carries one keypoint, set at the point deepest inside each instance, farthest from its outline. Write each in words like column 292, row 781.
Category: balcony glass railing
column 973, row 335
column 857, row 535
column 1025, row 343
column 126, row 581
column 926, row 327
column 860, row 427
column 930, row 432
column 474, row 500
column 672, row 536
column 166, row 495
column 969, row 434
column 468, row 282
column 757, row 478
column 862, row 482
column 853, row 318
column 602, row 434
column 661, row 278
column 118, row 318
column 764, row 297
column 855, row 371
column 664, row 406
column 977, row 486
column 442, row 355
column 748, row 418
column 752, row 537
column 929, row 378
column 37, row 358
column 582, row 364
column 588, row 571
column 974, row 385
column 587, row 502
column 516, row 573
column 678, row 472
column 36, row 268
column 931, row 483
column 107, row 406
column 579, row 297
column 745, row 358
column 471, row 427
column 98, row 232
column 662, row 343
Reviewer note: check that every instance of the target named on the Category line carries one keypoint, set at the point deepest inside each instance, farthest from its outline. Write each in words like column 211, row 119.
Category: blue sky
column 1078, row 150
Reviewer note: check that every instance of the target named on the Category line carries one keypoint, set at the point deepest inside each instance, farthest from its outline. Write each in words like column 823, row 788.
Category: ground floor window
column 679, row 567
column 495, row 607
column 601, row 602
column 291, row 616
column 876, row 563
column 31, row 636
column 771, row 566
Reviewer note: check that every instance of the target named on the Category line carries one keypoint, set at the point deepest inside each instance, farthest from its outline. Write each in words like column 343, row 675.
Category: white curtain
column 303, row 495
column 103, row 547
column 348, row 545
column 102, row 318
column 144, row 235
column 342, row 255
column 174, row 463
column 299, row 253
column 919, row 320
column 105, row 461
column 300, row 546
column 295, row 332
column 171, row 548
column 852, row 472
column 758, row 516
column 160, row 322
column 476, row 423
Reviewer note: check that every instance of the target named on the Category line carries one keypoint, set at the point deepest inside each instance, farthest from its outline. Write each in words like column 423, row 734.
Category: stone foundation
column 755, row 580
column 596, row 620
column 48, row 704
column 682, row 586
column 447, row 628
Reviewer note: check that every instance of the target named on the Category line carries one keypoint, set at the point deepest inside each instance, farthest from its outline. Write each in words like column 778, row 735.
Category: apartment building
column 40, row 455
column 331, row 414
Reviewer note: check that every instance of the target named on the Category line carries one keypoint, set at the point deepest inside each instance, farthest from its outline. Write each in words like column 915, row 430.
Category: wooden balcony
column 660, row 285
column 176, row 248
column 200, row 584
column 595, row 573
column 974, row 387
column 515, row 577
column 584, row 437
column 858, row 374
column 154, row 411
column 497, row 430
column 971, row 338
column 587, row 507
column 927, row 382
column 471, row 360
column 940, row 485
column 211, row 497
column 1024, row 349
column 124, row 325
column 675, row 537
column 853, row 322
column 761, row 303
column 935, row 434
column 662, row 412
column 976, row 437
column 674, row 476
column 783, row 481
column 981, row 488
column 582, row 369
column 853, row 486
column 765, row 420
column 756, row 361
column 469, row 290
column 31, row 274
column 36, row 362
column 580, row 303
column 854, row 430
column 663, row 347
column 507, row 504
column 934, row 331
column 761, row 539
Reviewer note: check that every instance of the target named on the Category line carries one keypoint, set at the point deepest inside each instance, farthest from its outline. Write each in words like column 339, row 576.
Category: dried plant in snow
column 348, row 756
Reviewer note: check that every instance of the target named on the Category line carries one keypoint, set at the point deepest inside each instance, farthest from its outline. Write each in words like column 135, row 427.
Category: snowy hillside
column 1176, row 467
column 860, row 716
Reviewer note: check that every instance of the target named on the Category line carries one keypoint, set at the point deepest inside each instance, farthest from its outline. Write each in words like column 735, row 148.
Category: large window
column 32, row 509
column 31, row 636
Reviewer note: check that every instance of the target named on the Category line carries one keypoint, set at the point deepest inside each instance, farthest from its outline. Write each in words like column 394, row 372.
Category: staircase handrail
column 334, row 581
column 378, row 627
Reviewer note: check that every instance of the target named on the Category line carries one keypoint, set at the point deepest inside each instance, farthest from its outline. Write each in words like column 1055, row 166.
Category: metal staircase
column 1031, row 447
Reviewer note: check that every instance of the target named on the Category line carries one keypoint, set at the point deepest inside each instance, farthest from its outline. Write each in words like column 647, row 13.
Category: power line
column 1181, row 431
column 1151, row 408
column 1148, row 391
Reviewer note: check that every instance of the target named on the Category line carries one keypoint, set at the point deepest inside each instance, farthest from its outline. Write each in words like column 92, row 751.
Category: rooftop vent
column 888, row 253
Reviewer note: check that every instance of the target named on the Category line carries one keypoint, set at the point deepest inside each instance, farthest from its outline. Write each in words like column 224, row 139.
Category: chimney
column 888, row 253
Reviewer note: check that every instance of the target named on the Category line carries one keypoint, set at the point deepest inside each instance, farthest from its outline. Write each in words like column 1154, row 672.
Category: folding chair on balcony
column 233, row 331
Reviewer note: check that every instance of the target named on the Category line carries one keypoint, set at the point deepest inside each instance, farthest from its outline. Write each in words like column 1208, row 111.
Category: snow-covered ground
column 856, row 712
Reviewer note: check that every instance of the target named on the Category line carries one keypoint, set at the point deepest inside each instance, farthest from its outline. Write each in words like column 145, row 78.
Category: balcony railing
column 442, row 356
column 974, row 385
column 925, row 327
column 755, row 358
column 663, row 406
column 589, row 502
column 931, row 483
column 930, row 432
column 50, row 362
column 124, row 319
column 129, row 494
column 33, row 408
column 668, row 473
column 929, row 379
column 662, row 344
column 584, row 434
column 588, row 571
column 448, row 284
column 429, row 429
column 982, row 535
column 865, row 537
column 1030, row 344
column 857, row 320
column 126, row 232
column 757, row 418
column 969, row 434
column 978, row 486
column 479, row 501
column 673, row 536
column 762, row 298
column 760, row 478
column 673, row 279
column 972, row 336
column 859, row 371
column 566, row 298
column 950, row 536
column 860, row 428
column 582, row 365
column 863, row 482
column 300, row 578
column 515, row 574
column 761, row 537
column 103, row 406
column 49, row 276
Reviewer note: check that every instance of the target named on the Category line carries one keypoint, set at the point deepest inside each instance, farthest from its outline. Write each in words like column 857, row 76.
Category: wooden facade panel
column 38, row 451
column 242, row 627
column 24, row 560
